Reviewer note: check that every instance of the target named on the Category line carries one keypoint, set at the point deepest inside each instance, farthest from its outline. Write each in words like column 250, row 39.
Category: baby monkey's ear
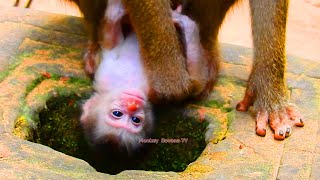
column 88, row 107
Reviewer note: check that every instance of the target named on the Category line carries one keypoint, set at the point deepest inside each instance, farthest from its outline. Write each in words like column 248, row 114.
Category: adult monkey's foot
column 280, row 120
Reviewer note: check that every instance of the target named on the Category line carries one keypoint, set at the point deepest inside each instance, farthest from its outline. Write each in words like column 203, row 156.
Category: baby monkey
column 119, row 112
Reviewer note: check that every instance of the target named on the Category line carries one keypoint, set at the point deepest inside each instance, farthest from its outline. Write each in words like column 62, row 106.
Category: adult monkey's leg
column 160, row 48
column 266, row 88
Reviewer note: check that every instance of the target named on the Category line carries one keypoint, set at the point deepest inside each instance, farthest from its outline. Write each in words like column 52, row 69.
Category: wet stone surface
column 40, row 64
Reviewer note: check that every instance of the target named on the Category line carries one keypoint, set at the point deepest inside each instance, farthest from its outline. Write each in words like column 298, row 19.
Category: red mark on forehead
column 133, row 104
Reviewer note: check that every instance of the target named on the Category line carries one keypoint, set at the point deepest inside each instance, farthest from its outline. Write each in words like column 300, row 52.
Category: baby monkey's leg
column 197, row 63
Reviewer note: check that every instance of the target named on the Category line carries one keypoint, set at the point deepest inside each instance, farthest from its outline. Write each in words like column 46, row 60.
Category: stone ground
column 35, row 43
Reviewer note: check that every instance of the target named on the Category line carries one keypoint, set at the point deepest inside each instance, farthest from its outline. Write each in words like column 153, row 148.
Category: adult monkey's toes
column 280, row 121
column 295, row 116
column 246, row 102
column 261, row 123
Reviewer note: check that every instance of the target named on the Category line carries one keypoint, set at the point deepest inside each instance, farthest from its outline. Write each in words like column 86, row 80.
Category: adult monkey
column 165, row 64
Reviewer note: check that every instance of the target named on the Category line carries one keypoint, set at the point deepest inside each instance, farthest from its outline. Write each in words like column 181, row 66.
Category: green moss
column 30, row 51
column 34, row 84
column 215, row 104
column 230, row 116
column 55, row 52
column 26, row 123
column 79, row 81
column 60, row 52
column 59, row 126
column 220, row 128
column 16, row 62
column 211, row 103
column 54, row 76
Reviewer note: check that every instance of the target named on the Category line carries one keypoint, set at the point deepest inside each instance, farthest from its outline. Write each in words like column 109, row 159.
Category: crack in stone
column 236, row 64
column 313, row 77
column 249, row 147
column 279, row 163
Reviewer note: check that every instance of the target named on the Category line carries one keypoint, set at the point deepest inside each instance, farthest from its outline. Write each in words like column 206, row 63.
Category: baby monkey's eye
column 117, row 113
column 136, row 120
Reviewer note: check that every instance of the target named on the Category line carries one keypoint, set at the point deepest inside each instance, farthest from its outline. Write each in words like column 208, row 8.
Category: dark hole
column 60, row 129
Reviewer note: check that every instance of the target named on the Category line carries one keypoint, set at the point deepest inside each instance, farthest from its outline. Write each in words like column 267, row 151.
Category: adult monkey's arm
column 160, row 48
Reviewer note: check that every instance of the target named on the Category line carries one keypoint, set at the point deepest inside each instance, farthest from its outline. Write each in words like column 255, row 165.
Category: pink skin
column 132, row 101
column 131, row 107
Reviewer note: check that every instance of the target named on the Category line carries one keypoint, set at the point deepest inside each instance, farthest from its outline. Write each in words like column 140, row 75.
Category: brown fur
column 166, row 66
column 267, row 79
